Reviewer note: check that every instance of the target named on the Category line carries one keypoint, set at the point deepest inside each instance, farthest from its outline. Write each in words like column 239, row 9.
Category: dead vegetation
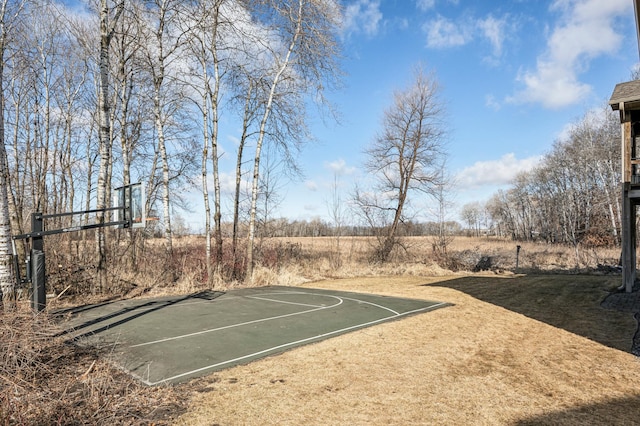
column 45, row 381
column 143, row 267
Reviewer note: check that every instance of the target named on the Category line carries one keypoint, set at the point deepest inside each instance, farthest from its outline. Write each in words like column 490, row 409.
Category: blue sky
column 513, row 76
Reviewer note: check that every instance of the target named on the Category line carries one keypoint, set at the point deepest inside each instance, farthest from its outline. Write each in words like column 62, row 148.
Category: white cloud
column 363, row 16
column 491, row 102
column 311, row 185
column 443, row 33
column 495, row 172
column 494, row 30
column 425, row 5
column 339, row 167
column 586, row 30
column 227, row 183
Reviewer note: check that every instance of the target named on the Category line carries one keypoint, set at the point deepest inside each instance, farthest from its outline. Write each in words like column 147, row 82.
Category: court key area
column 174, row 339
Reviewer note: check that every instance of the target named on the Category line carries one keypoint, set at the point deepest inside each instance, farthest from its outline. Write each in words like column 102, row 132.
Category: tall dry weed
column 139, row 266
column 44, row 380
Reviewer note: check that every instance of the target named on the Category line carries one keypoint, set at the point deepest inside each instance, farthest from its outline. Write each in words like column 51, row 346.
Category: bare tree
column 472, row 214
column 597, row 135
column 570, row 197
column 338, row 216
column 209, row 43
column 443, row 204
column 8, row 14
column 406, row 157
column 162, row 49
column 250, row 112
column 303, row 61
column 107, row 29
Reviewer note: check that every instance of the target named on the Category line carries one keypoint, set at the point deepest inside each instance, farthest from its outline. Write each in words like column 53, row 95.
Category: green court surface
column 174, row 339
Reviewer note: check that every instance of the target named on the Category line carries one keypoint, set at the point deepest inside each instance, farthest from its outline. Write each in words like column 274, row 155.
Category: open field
column 327, row 257
column 516, row 350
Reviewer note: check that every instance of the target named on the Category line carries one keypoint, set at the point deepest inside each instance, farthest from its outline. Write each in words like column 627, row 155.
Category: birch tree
column 107, row 29
column 162, row 48
column 212, row 100
column 9, row 12
column 572, row 195
column 206, row 31
column 202, row 103
column 250, row 113
column 303, row 59
column 597, row 136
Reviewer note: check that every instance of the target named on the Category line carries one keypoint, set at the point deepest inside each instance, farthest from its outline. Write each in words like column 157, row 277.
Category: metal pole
column 38, row 276
column 38, row 272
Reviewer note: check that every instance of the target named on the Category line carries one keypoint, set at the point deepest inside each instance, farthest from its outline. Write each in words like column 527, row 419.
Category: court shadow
column 74, row 310
column 620, row 411
column 133, row 310
column 570, row 302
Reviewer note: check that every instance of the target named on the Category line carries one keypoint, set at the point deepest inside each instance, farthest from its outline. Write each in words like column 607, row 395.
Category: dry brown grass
column 513, row 350
column 320, row 258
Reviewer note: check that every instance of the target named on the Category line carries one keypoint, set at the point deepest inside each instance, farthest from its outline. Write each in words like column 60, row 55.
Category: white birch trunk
column 7, row 282
column 165, row 175
column 104, row 134
column 263, row 124
column 217, row 214
column 205, row 159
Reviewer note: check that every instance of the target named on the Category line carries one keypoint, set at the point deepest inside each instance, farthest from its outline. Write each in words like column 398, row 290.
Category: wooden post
column 626, row 100
column 634, row 246
column 628, row 239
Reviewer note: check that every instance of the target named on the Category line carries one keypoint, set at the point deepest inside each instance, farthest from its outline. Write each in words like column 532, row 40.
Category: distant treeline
column 571, row 197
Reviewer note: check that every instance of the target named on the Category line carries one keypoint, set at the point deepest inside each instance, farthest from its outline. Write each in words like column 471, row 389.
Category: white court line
column 318, row 294
column 374, row 304
column 167, row 339
column 285, row 302
column 275, row 348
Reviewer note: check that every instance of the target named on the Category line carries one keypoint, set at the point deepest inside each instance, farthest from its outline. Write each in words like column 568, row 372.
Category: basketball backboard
column 132, row 198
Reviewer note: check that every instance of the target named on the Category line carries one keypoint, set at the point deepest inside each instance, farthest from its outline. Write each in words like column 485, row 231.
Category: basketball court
column 174, row 339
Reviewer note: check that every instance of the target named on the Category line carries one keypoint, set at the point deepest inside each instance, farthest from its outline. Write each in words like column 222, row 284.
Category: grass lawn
column 512, row 350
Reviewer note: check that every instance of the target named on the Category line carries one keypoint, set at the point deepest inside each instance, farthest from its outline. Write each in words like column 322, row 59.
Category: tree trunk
column 214, row 99
column 104, row 133
column 217, row 213
column 205, row 186
column 104, row 136
column 165, row 175
column 7, row 283
column 236, row 201
column 263, row 125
